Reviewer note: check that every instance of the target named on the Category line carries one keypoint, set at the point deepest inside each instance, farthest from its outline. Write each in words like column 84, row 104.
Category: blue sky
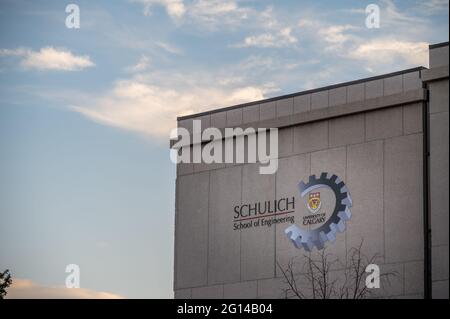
column 85, row 114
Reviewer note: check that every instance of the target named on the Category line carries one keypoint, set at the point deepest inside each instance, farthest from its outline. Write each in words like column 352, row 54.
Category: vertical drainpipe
column 426, row 195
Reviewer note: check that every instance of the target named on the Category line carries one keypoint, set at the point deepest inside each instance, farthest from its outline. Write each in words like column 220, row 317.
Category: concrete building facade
column 386, row 137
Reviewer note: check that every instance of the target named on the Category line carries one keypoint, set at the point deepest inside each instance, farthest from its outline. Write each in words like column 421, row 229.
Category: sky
column 85, row 115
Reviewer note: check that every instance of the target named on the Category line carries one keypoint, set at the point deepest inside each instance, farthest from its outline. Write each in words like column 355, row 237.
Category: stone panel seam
column 439, row 280
column 403, row 119
column 257, row 288
column 291, row 151
column 328, row 134
column 404, row 278
column 365, row 127
column 403, row 82
column 240, row 232
column 383, row 199
column 207, row 233
column 438, row 112
column 328, row 97
column 275, row 235
column 346, row 181
column 398, row 136
column 175, row 236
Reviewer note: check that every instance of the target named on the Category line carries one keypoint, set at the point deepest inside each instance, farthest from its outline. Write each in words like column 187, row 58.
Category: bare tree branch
column 317, row 281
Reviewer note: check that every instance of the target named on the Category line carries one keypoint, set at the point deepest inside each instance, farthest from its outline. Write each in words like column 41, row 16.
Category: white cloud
column 278, row 39
column 271, row 32
column 49, row 58
column 379, row 53
column 27, row 289
column 355, row 10
column 308, row 23
column 211, row 8
column 286, row 36
column 390, row 15
column 174, row 8
column 141, row 65
column 389, row 50
column 257, row 62
column 150, row 104
column 169, row 48
column 336, row 34
column 14, row 52
column 214, row 14
column 262, row 40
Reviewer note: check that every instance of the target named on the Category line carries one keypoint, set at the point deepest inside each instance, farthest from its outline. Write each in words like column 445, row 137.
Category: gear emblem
column 336, row 223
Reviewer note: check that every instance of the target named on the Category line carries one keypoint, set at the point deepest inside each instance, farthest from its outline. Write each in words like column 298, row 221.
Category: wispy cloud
column 390, row 14
column 434, row 6
column 391, row 50
column 278, row 39
column 169, row 48
column 210, row 15
column 174, row 8
column 270, row 32
column 14, row 52
column 142, row 65
column 49, row 58
column 374, row 51
column 391, row 17
column 28, row 289
column 216, row 14
column 336, row 34
column 151, row 108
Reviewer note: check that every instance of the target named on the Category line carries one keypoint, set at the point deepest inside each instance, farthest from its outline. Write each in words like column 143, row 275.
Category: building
column 386, row 137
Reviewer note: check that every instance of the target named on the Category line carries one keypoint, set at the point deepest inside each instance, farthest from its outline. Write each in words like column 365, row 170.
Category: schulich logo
column 264, row 213
column 308, row 236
